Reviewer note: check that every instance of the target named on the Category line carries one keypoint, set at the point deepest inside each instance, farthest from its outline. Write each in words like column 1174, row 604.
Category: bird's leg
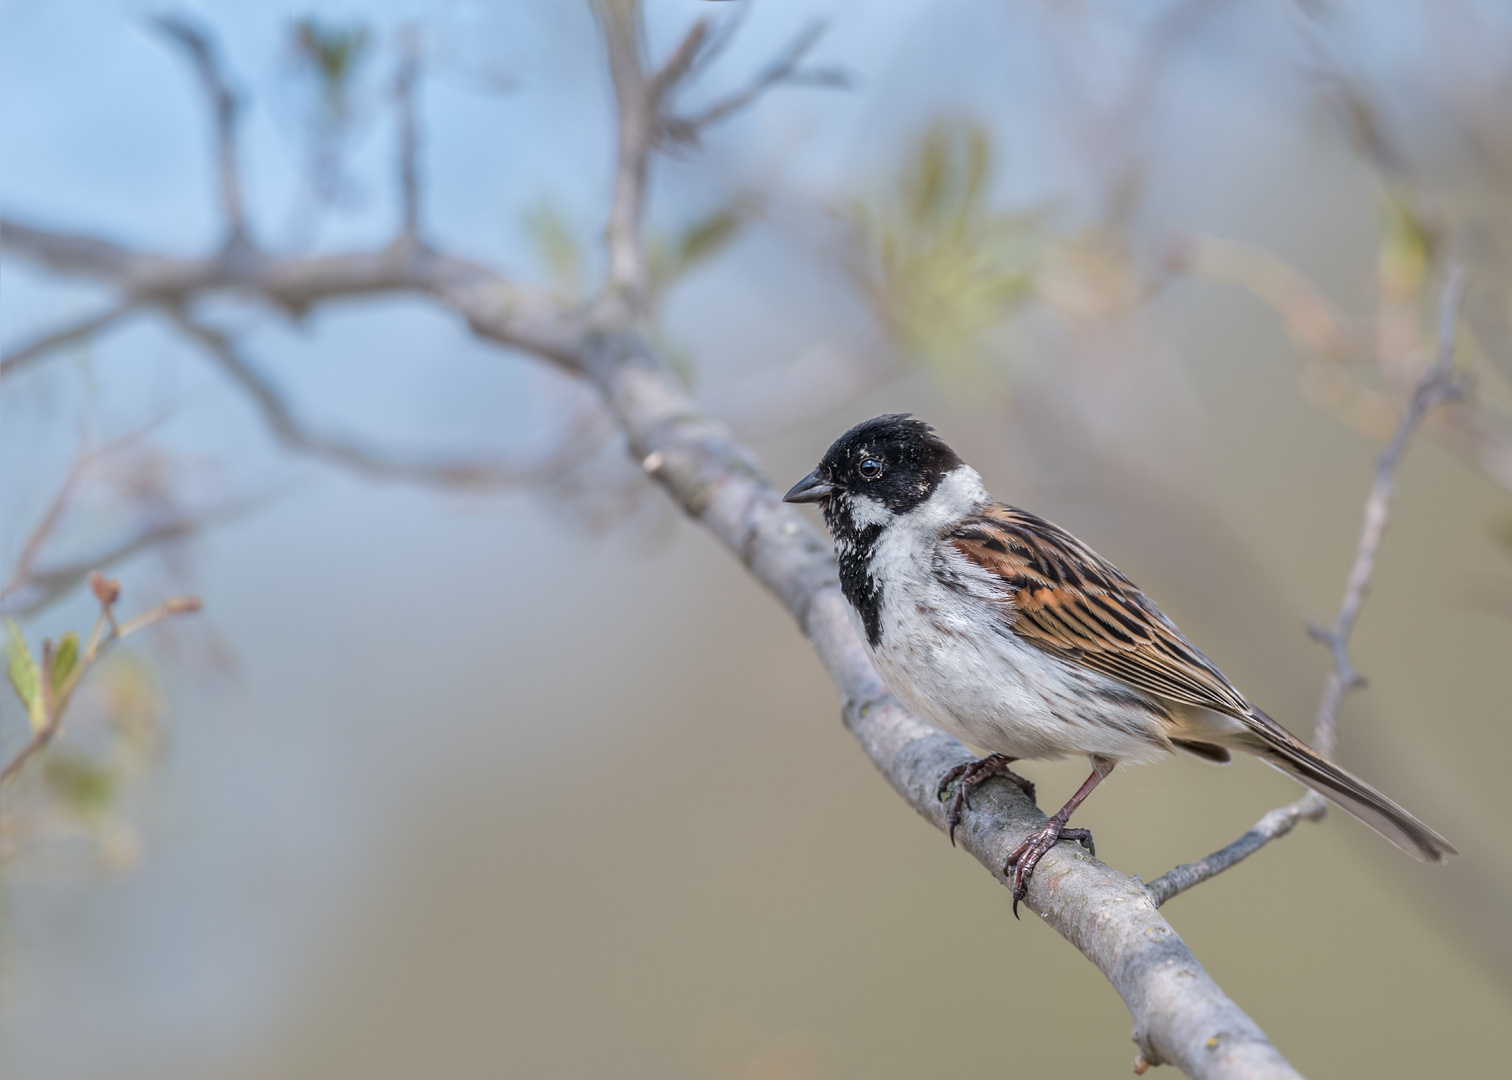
column 972, row 773
column 1024, row 858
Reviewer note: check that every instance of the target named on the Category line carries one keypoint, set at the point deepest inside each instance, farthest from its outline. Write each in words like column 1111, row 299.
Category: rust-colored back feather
column 1073, row 603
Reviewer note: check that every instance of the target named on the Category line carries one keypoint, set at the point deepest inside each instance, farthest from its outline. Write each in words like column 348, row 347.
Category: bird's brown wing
column 1074, row 604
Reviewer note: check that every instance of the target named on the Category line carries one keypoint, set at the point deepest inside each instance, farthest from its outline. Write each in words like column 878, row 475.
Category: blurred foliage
column 939, row 263
column 558, row 249
column 80, row 809
column 700, row 240
column 333, row 54
column 1405, row 255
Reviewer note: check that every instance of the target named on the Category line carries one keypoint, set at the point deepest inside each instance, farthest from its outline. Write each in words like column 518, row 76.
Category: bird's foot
column 1023, row 859
column 972, row 773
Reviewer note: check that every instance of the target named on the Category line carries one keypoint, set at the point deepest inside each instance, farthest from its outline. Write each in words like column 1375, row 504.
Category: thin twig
column 785, row 70
column 409, row 138
column 224, row 107
column 25, row 573
column 280, row 417
column 55, row 700
column 25, row 355
column 1436, row 386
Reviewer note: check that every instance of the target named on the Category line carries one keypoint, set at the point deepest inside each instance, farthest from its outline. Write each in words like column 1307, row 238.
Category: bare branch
column 1436, row 386
column 785, row 70
column 493, row 305
column 280, row 417
column 1274, row 825
column 409, row 138
column 680, row 64
column 37, row 349
column 46, row 584
column 224, row 107
column 1311, row 321
column 626, row 290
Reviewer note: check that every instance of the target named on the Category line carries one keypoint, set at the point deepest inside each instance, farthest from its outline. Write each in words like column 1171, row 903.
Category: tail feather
column 1283, row 750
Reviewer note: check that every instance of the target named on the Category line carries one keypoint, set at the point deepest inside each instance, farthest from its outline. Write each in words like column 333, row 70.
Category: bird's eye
column 870, row 469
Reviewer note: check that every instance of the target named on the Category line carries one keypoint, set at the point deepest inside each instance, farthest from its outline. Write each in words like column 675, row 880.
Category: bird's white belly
column 949, row 654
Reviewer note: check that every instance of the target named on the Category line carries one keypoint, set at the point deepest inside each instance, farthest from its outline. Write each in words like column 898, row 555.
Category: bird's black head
column 895, row 460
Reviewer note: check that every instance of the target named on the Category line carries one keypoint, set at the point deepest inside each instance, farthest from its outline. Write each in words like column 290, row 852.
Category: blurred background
column 524, row 776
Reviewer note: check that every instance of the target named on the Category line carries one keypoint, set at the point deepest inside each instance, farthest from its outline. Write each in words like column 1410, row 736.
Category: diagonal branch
column 1437, row 385
column 282, row 421
column 224, row 107
column 38, row 348
column 1180, row 1015
column 785, row 70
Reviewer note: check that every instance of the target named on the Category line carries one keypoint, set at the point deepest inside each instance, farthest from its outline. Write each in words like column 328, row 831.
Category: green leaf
column 25, row 678
column 85, row 785
column 65, row 660
column 557, row 247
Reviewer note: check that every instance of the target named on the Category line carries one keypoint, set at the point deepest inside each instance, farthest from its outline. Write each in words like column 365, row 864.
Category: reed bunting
column 1014, row 636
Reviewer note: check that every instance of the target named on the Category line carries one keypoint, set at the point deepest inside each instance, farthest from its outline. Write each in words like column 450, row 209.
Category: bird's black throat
column 853, row 550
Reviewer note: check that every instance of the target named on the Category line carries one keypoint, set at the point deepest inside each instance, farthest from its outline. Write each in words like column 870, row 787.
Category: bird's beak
column 810, row 489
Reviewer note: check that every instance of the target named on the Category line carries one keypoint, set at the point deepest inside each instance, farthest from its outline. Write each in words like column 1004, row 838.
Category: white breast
column 946, row 649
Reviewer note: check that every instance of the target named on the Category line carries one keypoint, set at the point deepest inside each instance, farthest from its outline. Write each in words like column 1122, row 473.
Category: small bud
column 107, row 590
column 182, row 605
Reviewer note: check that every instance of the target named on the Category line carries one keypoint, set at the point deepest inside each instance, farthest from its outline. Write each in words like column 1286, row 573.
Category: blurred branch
column 224, row 107
column 46, row 584
column 34, row 583
column 785, row 70
column 491, row 303
column 1471, row 429
column 279, row 415
column 1310, row 319
column 37, row 349
column 1436, row 386
column 409, row 138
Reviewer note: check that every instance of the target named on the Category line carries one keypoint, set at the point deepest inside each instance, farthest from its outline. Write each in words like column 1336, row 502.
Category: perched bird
column 1014, row 636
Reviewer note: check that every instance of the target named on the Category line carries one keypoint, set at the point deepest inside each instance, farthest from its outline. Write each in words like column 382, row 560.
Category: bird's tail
column 1292, row 756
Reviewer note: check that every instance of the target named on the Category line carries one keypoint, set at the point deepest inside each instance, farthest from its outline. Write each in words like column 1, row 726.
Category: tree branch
column 1180, row 1015
column 785, row 69
column 224, row 107
column 1436, row 386
column 37, row 349
column 409, row 138
column 280, row 417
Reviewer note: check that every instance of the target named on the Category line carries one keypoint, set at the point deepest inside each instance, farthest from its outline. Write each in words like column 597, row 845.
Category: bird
column 1012, row 635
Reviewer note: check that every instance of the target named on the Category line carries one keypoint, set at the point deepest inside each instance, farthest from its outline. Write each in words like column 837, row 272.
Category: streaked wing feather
column 1073, row 603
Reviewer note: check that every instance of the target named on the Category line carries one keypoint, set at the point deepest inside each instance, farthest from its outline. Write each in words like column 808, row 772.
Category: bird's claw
column 972, row 773
column 1023, row 859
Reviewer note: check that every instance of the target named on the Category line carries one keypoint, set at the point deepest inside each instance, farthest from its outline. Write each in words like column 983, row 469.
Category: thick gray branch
column 1180, row 1015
